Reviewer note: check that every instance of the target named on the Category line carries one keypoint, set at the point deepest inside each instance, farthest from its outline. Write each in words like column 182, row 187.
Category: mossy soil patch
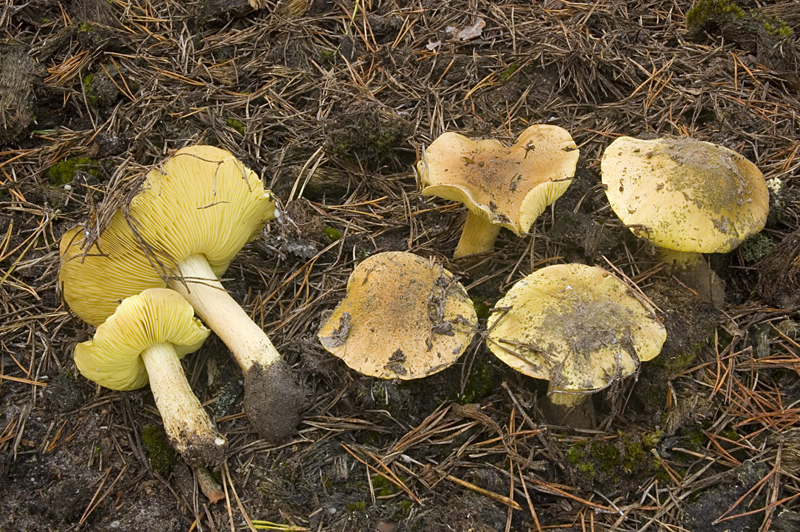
column 332, row 103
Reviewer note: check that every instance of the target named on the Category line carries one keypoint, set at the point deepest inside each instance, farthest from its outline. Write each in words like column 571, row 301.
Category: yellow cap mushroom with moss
column 577, row 326
column 189, row 219
column 501, row 186
column 687, row 197
column 143, row 341
column 403, row 317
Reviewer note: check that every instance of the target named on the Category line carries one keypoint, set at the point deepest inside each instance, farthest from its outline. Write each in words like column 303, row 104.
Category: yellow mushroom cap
column 95, row 281
column 157, row 315
column 403, row 317
column 685, row 194
column 509, row 186
column 202, row 200
column 577, row 326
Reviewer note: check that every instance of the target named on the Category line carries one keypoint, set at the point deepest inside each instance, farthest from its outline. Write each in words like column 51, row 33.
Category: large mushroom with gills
column 500, row 186
column 143, row 341
column 576, row 326
column 93, row 280
column 687, row 197
column 404, row 317
column 190, row 218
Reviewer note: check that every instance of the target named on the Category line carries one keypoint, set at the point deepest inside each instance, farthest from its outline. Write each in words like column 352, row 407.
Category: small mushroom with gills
column 143, row 341
column 500, row 186
column 576, row 326
column 687, row 197
column 189, row 219
column 404, row 317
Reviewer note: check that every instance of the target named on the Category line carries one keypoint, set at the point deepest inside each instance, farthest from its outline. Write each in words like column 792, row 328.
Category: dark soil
column 332, row 103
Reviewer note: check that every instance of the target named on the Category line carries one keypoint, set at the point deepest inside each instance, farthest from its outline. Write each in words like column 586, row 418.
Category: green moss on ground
column 481, row 381
column 382, row 487
column 63, row 172
column 709, row 15
column 482, row 308
column 755, row 248
column 159, row 452
column 618, row 463
column 332, row 233
column 235, row 124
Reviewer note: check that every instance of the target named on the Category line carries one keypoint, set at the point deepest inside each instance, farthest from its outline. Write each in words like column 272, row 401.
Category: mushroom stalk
column 478, row 236
column 185, row 421
column 569, row 409
column 272, row 397
column 693, row 270
column 223, row 315
column 567, row 398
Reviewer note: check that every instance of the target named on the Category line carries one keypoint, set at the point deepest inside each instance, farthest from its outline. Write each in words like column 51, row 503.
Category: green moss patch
column 63, row 172
column 158, row 450
column 618, row 463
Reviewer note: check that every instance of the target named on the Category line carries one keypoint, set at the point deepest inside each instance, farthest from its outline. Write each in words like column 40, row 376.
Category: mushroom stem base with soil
column 478, row 236
column 694, row 271
column 574, row 410
column 273, row 398
column 186, row 423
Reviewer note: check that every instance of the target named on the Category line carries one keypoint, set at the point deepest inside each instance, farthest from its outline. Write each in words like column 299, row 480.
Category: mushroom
column 404, row 317
column 501, row 186
column 94, row 281
column 143, row 341
column 188, row 220
column 576, row 326
column 687, row 197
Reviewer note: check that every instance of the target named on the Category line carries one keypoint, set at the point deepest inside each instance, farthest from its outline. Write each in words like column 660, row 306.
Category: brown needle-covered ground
column 331, row 102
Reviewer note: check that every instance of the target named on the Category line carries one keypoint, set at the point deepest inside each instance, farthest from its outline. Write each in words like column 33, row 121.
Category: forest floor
column 332, row 103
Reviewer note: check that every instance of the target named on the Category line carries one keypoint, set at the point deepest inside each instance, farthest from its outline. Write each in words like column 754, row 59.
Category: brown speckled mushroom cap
column 577, row 326
column 509, row 186
column 685, row 194
column 403, row 317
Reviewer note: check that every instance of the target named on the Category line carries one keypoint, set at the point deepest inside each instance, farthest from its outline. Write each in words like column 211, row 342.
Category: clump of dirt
column 370, row 136
column 63, row 393
column 274, row 400
column 702, row 513
column 689, row 320
column 779, row 273
column 767, row 36
column 587, row 235
column 18, row 76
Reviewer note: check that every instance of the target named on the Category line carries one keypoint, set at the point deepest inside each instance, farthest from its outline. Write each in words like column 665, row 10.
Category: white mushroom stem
column 478, row 236
column 185, row 421
column 693, row 270
column 223, row 315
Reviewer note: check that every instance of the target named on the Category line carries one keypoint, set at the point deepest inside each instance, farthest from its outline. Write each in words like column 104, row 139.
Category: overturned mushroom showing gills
column 189, row 219
column 195, row 213
column 143, row 341
column 576, row 326
column 403, row 317
column 687, row 197
column 94, row 280
column 501, row 186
